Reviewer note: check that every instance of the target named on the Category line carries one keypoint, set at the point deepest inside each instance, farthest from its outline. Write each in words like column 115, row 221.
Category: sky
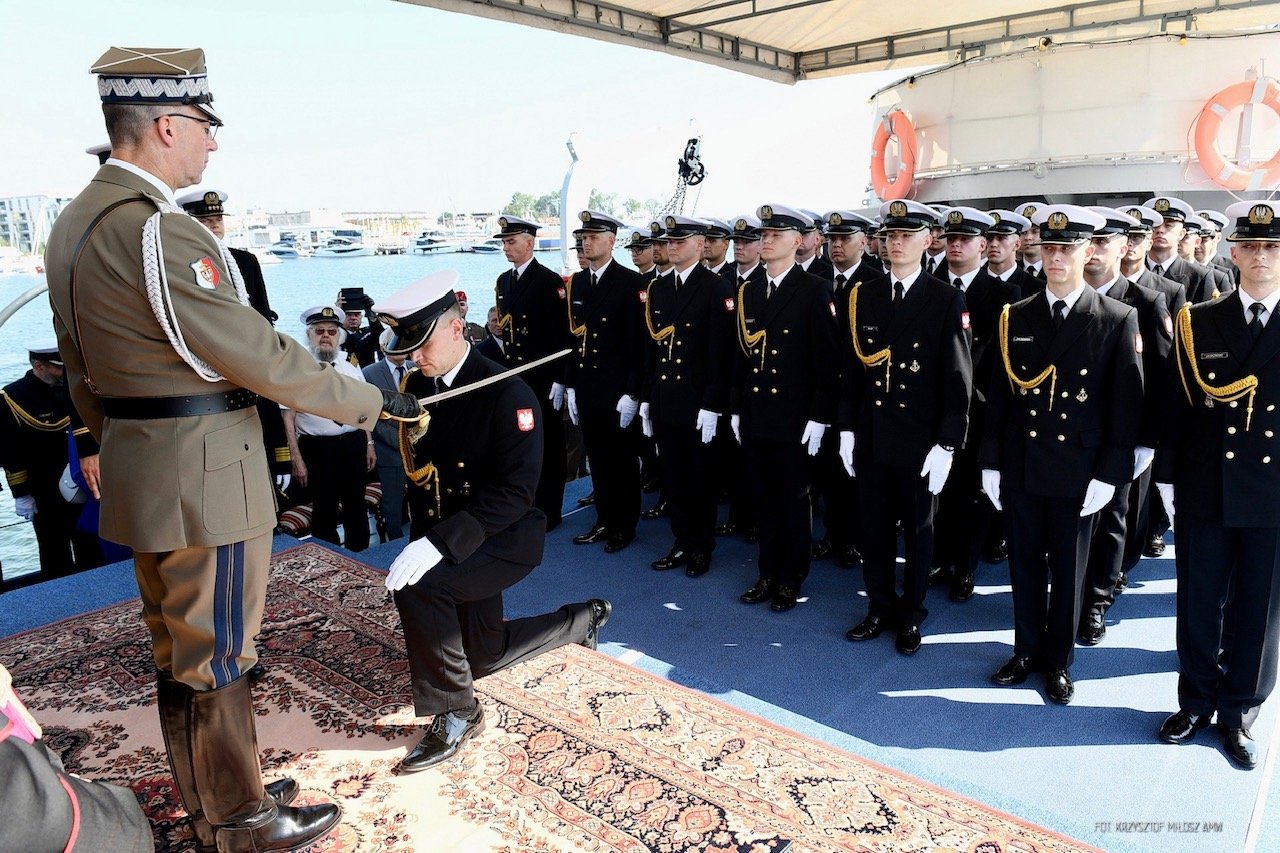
column 379, row 105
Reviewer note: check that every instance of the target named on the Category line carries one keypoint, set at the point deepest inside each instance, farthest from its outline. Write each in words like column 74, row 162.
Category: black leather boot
column 173, row 701
column 224, row 755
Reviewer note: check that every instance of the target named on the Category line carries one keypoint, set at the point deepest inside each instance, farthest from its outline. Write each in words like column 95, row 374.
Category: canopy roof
column 790, row 40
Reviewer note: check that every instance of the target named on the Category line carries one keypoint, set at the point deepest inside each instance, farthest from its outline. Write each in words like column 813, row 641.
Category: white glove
column 813, row 436
column 1166, row 495
column 25, row 507
column 414, row 561
column 626, row 409
column 991, row 486
column 571, row 399
column 646, row 425
column 556, row 396
column 707, row 423
column 735, row 423
column 282, row 481
column 1142, row 457
column 846, row 452
column 937, row 465
column 1098, row 495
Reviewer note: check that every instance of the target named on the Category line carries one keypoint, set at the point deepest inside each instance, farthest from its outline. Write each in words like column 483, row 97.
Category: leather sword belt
column 192, row 405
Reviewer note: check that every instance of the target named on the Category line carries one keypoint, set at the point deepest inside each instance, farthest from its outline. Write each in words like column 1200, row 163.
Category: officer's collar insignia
column 898, row 208
column 1057, row 221
column 1261, row 214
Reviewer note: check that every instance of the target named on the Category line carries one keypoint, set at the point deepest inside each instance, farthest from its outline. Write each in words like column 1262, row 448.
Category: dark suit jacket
column 1089, row 430
column 254, row 283
column 1224, row 465
column 279, row 459
column 609, row 360
column 1175, row 293
column 690, row 369
column 539, row 325
column 386, row 435
column 821, row 268
column 492, row 350
column 1199, row 282
column 840, row 293
column 921, row 398
column 941, row 271
column 486, row 447
column 1156, row 327
column 986, row 298
column 788, row 376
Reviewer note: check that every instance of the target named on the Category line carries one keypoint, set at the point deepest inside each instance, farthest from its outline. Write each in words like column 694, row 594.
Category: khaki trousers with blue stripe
column 203, row 607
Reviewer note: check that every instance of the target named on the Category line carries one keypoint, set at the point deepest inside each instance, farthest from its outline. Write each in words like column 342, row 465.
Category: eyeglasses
column 210, row 129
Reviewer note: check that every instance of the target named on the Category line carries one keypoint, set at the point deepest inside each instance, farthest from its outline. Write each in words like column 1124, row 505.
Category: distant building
column 25, row 221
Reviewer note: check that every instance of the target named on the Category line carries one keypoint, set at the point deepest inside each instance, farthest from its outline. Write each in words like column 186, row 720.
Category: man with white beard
column 331, row 460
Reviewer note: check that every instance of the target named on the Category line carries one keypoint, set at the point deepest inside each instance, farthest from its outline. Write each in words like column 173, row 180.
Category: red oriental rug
column 581, row 752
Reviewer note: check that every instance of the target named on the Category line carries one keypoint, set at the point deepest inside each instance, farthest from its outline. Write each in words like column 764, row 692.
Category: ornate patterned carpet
column 581, row 752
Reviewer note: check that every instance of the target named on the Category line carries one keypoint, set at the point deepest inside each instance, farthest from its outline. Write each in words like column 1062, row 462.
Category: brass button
column 773, row 390
column 1233, row 404
column 755, row 389
column 1036, row 391
column 1084, row 371
column 1032, row 433
column 1212, row 376
column 1231, row 455
column 1231, row 430
column 879, row 402
column 755, row 370
column 1269, row 434
column 878, row 383
column 773, row 352
column 1062, row 438
column 1033, row 413
column 1266, row 459
column 902, row 366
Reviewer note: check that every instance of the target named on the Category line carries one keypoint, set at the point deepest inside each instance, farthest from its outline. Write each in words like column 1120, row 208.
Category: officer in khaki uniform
column 1219, row 465
column 164, row 360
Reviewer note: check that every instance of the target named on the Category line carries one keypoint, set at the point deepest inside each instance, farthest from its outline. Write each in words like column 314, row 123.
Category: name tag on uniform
column 870, row 328
column 577, row 302
column 1207, row 356
column 1020, row 340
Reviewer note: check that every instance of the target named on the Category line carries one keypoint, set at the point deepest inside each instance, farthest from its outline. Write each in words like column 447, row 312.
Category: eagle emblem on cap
column 766, row 211
column 328, row 313
column 1057, row 221
column 898, row 208
column 1029, row 210
column 1161, row 205
column 655, row 228
column 1135, row 212
column 211, row 198
column 585, row 216
column 1261, row 214
column 671, row 222
column 955, row 217
column 740, row 225
column 835, row 219
column 502, row 222
column 995, row 217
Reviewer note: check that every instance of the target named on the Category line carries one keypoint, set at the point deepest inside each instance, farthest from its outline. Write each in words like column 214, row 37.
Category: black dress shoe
column 616, row 543
column 1015, row 671
column 849, row 557
column 961, row 587
column 699, row 565
column 784, row 599
column 256, row 673
column 1092, row 629
column 1122, row 582
column 595, row 534
column 589, row 499
column 764, row 589
column 1058, row 686
column 1182, row 726
column 908, row 640
column 820, row 550
column 867, row 629
column 996, row 552
column 445, row 736
column 1154, row 548
column 601, row 608
column 727, row 529
column 659, row 510
column 675, row 557
column 1240, row 747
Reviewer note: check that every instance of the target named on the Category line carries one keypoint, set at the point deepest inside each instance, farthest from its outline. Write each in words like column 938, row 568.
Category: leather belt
column 192, row 405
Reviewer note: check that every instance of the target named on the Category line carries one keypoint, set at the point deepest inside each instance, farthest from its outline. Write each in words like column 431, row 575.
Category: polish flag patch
column 832, row 306
column 206, row 273
column 561, row 292
column 728, row 304
column 1137, row 343
column 644, row 295
column 524, row 419
column 964, row 320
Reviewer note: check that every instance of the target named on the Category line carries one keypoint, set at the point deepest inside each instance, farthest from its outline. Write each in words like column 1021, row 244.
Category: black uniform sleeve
column 822, row 352
column 720, row 345
column 955, row 378
column 1115, row 461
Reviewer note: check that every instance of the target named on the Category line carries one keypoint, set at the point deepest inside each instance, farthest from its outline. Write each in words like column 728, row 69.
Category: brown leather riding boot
column 224, row 756
column 173, row 701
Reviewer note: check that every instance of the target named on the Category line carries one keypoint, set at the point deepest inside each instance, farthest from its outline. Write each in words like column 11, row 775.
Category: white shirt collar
column 777, row 282
column 747, row 273
column 1269, row 303
column 600, row 272
column 1003, row 276
column 1071, row 298
column 165, row 192
column 848, row 274
column 716, row 269
column 520, row 269
column 966, row 279
column 907, row 281
column 804, row 265
column 449, row 377
column 1106, row 288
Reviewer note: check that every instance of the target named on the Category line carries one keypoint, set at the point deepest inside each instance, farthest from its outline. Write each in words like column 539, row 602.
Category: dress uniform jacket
column 538, row 326
column 609, row 321
column 476, row 470
column 1175, row 292
column 986, row 297
column 691, row 366
column 254, row 283
column 172, row 483
column 841, row 291
column 788, row 357
column 1223, row 461
column 1201, row 285
column 1156, row 327
column 819, row 267
column 1091, row 428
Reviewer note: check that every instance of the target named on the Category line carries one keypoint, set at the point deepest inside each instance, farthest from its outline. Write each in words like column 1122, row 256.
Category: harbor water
column 293, row 286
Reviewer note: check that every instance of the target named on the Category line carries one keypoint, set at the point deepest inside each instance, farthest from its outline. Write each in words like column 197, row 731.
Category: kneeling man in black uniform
column 473, row 468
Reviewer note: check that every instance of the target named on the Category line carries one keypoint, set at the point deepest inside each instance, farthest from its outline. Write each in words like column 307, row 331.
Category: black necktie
column 1255, row 325
column 742, row 279
column 515, row 276
column 933, row 265
column 773, row 288
column 593, row 280
column 898, row 290
column 840, row 280
column 958, row 283
column 399, row 375
column 1059, row 313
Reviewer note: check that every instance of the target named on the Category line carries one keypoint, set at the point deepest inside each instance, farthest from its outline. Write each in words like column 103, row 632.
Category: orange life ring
column 1265, row 91
column 895, row 124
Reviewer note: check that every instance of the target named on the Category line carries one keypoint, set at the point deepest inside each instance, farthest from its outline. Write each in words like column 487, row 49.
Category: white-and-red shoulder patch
column 561, row 292
column 729, row 304
column 644, row 295
column 964, row 320
column 524, row 419
column 207, row 275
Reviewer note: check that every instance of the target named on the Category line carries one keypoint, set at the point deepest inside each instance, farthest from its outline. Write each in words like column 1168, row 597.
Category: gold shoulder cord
column 883, row 356
column 504, row 319
column 576, row 331
column 666, row 333
column 32, row 421
column 748, row 339
column 1244, row 387
column 1050, row 372
column 427, row 477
